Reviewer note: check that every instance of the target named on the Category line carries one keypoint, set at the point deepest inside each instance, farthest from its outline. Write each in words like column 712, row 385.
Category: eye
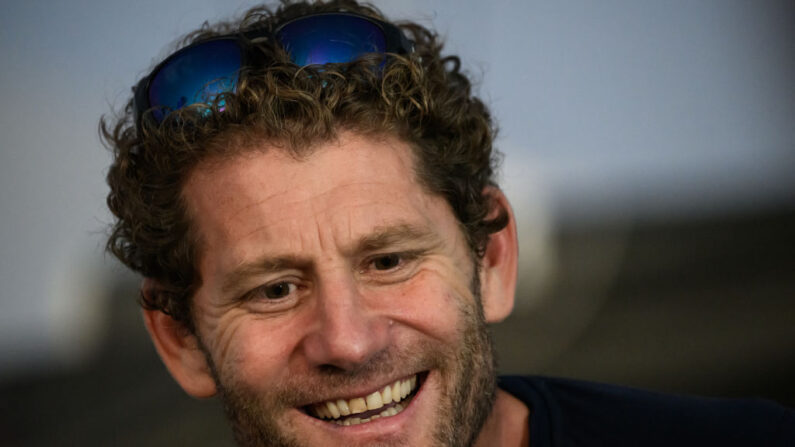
column 386, row 262
column 278, row 290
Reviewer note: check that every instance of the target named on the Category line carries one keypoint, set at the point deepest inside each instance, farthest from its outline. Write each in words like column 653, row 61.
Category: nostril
column 330, row 369
column 344, row 339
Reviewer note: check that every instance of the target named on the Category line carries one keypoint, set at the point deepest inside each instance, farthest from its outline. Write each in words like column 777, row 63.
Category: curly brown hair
column 422, row 98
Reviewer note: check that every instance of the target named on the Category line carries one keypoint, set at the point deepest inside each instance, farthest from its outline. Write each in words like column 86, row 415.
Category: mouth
column 389, row 401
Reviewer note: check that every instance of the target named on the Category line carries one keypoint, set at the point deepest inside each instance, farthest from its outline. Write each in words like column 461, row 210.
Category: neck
column 508, row 424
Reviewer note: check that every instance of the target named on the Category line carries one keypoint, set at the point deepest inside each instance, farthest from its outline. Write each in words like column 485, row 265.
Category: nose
column 347, row 331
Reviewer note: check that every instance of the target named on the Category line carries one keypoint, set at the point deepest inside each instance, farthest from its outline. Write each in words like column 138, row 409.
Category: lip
column 381, row 427
column 367, row 391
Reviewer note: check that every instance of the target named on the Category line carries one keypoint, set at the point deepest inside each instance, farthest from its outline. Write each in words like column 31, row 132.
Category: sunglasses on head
column 203, row 70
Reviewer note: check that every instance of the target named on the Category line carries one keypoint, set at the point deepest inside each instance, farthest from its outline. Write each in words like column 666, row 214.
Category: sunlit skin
column 329, row 277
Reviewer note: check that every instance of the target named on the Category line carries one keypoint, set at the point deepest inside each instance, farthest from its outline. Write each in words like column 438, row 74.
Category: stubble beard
column 468, row 373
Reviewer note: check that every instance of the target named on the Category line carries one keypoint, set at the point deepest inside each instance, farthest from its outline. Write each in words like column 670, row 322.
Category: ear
column 499, row 263
column 179, row 349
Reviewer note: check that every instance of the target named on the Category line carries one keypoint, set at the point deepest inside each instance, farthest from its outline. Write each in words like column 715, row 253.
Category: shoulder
column 573, row 412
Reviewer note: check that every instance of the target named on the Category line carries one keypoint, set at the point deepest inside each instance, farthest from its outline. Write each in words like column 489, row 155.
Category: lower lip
column 383, row 425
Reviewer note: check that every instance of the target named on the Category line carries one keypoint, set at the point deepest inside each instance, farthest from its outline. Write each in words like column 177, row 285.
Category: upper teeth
column 343, row 407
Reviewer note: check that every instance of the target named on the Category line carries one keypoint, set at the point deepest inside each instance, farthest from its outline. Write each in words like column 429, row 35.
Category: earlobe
column 499, row 264
column 179, row 349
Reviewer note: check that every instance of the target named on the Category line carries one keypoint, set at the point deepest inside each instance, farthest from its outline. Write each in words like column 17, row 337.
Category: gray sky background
column 610, row 109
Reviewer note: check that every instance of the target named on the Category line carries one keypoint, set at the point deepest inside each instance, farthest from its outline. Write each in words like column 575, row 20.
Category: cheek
column 254, row 351
column 431, row 305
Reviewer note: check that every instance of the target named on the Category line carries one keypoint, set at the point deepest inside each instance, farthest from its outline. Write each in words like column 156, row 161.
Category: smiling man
column 342, row 309
column 309, row 194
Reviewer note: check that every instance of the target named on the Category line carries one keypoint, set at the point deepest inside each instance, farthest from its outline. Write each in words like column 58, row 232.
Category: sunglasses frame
column 395, row 40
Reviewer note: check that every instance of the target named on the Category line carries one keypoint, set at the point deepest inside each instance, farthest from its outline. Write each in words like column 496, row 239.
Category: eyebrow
column 262, row 265
column 386, row 236
column 380, row 238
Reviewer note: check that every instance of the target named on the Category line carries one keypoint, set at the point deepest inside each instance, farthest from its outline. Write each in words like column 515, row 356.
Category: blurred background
column 649, row 154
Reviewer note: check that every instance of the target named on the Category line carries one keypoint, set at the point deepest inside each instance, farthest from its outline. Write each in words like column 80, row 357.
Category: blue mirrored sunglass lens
column 330, row 39
column 195, row 75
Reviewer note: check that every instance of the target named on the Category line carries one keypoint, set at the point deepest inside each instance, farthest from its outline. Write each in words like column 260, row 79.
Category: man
column 309, row 196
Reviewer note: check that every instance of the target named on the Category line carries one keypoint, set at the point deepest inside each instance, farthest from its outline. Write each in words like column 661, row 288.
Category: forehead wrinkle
column 276, row 220
column 208, row 170
column 318, row 207
column 234, row 214
column 315, row 210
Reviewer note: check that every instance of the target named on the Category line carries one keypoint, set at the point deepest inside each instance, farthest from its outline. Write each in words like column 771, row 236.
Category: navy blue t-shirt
column 575, row 413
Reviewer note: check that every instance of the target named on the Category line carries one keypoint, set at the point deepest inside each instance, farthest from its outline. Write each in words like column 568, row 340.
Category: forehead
column 343, row 189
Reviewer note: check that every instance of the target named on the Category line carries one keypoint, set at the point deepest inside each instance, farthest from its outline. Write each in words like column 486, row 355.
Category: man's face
column 333, row 285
